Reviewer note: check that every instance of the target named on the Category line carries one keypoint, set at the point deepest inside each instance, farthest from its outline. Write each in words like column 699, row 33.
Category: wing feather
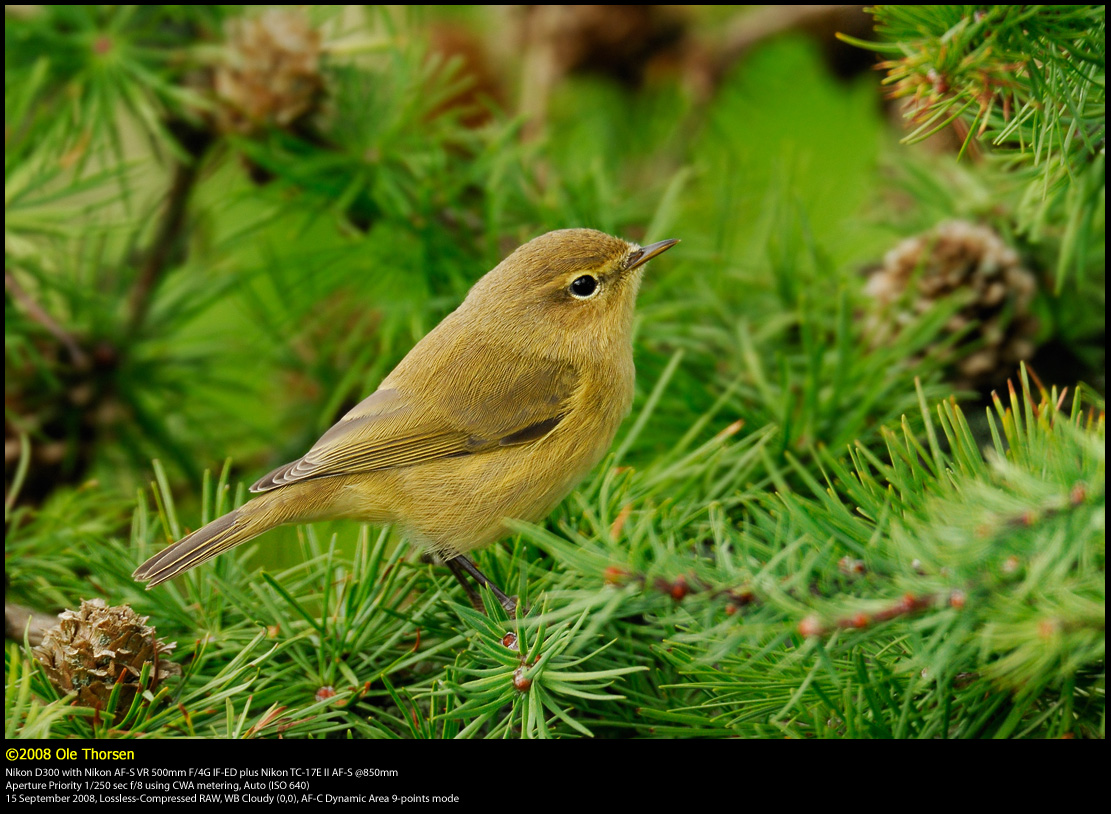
column 503, row 401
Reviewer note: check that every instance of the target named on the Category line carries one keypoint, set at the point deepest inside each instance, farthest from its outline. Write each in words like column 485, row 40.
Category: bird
column 497, row 413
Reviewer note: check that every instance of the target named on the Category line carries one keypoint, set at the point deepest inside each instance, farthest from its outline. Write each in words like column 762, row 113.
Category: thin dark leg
column 460, row 573
column 507, row 602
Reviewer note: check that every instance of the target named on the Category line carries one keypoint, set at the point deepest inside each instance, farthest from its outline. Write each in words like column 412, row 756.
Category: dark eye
column 583, row 287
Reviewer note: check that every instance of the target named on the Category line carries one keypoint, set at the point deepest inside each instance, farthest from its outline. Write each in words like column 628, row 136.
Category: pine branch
column 39, row 314
column 163, row 244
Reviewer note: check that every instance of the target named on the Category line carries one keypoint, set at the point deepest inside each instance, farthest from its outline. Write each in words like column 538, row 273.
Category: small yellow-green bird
column 495, row 414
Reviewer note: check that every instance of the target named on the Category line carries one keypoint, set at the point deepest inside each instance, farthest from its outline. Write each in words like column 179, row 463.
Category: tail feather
column 292, row 503
column 223, row 533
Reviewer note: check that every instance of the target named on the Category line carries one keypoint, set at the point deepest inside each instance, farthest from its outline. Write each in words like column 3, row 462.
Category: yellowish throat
column 497, row 413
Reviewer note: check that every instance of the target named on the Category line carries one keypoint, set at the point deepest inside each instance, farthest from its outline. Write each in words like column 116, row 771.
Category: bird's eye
column 583, row 287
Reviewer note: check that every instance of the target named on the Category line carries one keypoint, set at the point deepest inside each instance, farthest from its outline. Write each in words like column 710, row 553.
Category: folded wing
column 484, row 399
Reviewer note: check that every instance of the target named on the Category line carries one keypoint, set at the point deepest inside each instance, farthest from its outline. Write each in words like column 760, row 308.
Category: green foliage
column 921, row 593
column 94, row 62
column 798, row 532
column 1030, row 82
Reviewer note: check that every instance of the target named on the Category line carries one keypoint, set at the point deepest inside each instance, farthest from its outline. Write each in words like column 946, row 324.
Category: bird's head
column 572, row 291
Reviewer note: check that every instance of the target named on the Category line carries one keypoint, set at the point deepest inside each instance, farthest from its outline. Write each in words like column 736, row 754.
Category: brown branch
column 169, row 230
column 38, row 314
column 18, row 619
column 761, row 24
column 906, row 605
column 681, row 587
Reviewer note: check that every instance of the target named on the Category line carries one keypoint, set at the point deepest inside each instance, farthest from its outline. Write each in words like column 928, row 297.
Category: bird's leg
column 460, row 565
column 460, row 574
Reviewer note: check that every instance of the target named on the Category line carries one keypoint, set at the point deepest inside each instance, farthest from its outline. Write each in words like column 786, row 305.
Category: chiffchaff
column 495, row 414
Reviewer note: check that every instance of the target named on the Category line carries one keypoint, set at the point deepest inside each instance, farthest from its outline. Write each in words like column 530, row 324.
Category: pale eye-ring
column 583, row 287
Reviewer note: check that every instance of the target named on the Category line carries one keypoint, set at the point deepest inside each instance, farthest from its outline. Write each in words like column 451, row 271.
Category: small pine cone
column 270, row 72
column 954, row 258
column 92, row 649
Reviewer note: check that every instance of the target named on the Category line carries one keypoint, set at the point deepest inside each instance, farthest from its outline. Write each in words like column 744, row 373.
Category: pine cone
column 954, row 257
column 92, row 649
column 270, row 74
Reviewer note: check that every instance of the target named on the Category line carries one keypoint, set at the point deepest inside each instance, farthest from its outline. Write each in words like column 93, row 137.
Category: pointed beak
column 646, row 253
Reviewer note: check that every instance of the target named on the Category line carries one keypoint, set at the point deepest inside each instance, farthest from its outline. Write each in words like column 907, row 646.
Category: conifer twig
column 39, row 314
column 169, row 230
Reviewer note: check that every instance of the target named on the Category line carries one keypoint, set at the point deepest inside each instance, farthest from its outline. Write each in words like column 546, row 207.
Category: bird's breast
column 456, row 504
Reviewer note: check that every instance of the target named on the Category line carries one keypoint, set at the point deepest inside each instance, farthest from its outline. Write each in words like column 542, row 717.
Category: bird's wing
column 487, row 398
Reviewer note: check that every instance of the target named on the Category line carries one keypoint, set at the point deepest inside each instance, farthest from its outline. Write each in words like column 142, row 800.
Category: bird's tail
column 223, row 533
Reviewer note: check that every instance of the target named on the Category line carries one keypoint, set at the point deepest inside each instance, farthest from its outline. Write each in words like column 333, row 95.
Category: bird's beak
column 646, row 253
